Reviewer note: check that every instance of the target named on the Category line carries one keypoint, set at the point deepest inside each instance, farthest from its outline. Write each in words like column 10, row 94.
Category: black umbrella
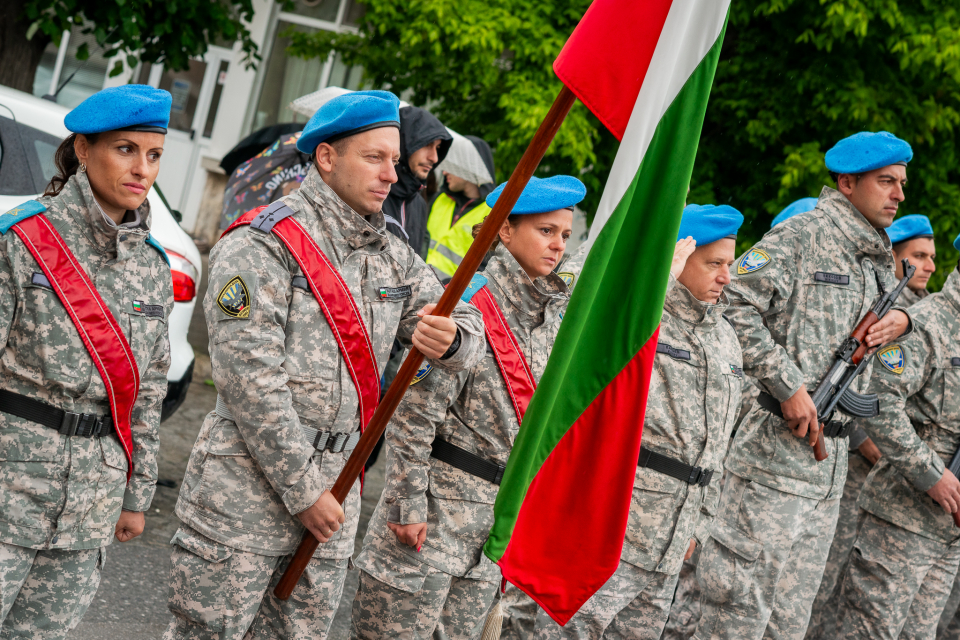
column 269, row 175
column 255, row 143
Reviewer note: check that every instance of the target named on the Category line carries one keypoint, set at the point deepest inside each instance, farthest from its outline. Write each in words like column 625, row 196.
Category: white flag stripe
column 690, row 31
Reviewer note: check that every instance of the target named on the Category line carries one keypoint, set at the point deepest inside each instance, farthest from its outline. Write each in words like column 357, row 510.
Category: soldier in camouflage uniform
column 907, row 549
column 255, row 480
column 797, row 295
column 63, row 498
column 692, row 405
column 422, row 570
column 685, row 611
column 912, row 238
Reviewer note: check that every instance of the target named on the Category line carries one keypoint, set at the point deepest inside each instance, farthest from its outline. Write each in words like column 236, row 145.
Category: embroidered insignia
column 395, row 293
column 138, row 306
column 234, row 299
column 673, row 352
column 422, row 373
column 892, row 358
column 832, row 278
column 752, row 260
column 149, row 310
column 735, row 370
column 567, row 278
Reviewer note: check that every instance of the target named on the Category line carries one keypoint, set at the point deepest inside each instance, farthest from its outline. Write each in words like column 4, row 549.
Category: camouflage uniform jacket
column 62, row 492
column 472, row 410
column 796, row 295
column 918, row 429
column 909, row 297
column 278, row 367
column 692, row 406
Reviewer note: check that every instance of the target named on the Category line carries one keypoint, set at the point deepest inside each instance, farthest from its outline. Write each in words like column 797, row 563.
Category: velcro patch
column 735, row 370
column 955, row 362
column 40, row 280
column 300, row 282
column 395, row 293
column 149, row 310
column 832, row 278
column 677, row 354
column 234, row 298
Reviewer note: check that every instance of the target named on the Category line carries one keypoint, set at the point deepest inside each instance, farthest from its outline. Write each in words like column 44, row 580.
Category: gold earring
column 83, row 168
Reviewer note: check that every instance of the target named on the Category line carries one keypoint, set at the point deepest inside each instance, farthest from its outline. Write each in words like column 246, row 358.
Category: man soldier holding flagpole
column 306, row 298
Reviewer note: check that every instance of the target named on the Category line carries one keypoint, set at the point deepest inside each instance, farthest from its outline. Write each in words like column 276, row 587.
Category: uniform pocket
column 655, row 506
column 111, row 485
column 727, row 563
column 199, row 580
column 827, row 309
column 392, row 570
column 142, row 333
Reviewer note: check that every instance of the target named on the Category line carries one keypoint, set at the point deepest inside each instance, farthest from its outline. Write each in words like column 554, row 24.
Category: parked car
column 31, row 129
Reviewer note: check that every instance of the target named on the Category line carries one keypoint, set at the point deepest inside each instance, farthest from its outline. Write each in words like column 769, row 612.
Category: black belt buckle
column 835, row 429
column 499, row 475
column 69, row 423
column 706, row 477
column 696, row 475
column 338, row 442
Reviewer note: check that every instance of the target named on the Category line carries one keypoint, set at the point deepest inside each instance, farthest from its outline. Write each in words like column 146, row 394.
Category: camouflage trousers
column 441, row 606
column 44, row 593
column 949, row 626
column 823, row 617
column 685, row 610
column 760, row 569
column 519, row 614
column 896, row 583
column 221, row 593
column 633, row 604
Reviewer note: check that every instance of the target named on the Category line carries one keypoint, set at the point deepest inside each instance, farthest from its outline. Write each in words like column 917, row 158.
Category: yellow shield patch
column 234, row 299
column 892, row 359
column 751, row 261
column 422, row 373
column 567, row 278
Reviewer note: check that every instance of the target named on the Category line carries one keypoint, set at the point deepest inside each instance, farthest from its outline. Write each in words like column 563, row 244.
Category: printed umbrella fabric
column 271, row 174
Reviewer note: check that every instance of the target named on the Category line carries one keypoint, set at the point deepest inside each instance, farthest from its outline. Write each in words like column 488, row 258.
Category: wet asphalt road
column 132, row 601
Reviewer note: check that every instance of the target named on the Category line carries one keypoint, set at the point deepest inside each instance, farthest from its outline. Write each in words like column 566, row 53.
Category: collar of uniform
column 77, row 198
column 951, row 290
column 529, row 297
column 682, row 304
column 339, row 217
column 853, row 224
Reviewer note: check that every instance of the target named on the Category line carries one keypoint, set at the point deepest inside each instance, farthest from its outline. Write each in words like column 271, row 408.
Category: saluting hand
column 889, row 328
column 681, row 252
column 411, row 535
column 434, row 334
column 129, row 526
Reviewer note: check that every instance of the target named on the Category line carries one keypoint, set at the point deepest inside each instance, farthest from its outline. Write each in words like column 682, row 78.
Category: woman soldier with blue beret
column 85, row 293
column 422, row 569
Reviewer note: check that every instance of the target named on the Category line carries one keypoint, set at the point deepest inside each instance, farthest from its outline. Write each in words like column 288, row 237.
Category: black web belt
column 833, row 429
column 466, row 461
column 86, row 425
column 674, row 468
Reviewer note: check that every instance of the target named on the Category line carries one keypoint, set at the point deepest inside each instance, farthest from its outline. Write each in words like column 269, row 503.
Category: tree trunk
column 19, row 57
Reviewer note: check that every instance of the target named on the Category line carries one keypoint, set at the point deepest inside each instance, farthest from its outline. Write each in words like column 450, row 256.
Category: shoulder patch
column 156, row 245
column 476, row 283
column 567, row 278
column 751, row 261
column 234, row 298
column 422, row 373
column 892, row 359
column 20, row 212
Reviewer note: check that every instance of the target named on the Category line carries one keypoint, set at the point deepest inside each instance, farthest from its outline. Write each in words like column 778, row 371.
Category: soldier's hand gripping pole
column 955, row 469
column 458, row 284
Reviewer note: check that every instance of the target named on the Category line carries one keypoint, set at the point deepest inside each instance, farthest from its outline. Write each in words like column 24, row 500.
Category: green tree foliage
column 483, row 68
column 794, row 77
column 168, row 31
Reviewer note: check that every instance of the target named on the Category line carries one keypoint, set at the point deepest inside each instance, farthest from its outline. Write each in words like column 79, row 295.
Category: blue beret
column 795, row 208
column 131, row 107
column 910, row 227
column 349, row 114
column 543, row 195
column 956, row 243
column 867, row 151
column 707, row 223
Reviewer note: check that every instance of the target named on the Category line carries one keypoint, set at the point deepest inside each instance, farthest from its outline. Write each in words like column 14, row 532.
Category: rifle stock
column 458, row 284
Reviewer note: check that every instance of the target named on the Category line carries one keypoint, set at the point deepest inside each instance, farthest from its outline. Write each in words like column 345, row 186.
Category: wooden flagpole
column 458, row 284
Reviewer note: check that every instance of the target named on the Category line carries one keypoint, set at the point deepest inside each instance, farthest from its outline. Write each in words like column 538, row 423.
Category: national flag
column 645, row 68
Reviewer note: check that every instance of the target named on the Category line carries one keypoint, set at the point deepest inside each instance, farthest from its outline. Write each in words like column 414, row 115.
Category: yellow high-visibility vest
column 449, row 244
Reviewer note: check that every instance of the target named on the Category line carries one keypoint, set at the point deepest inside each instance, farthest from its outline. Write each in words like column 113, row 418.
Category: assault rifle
column 851, row 359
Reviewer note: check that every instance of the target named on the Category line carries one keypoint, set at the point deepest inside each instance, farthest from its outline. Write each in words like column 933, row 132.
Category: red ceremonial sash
column 510, row 360
column 337, row 304
column 97, row 327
